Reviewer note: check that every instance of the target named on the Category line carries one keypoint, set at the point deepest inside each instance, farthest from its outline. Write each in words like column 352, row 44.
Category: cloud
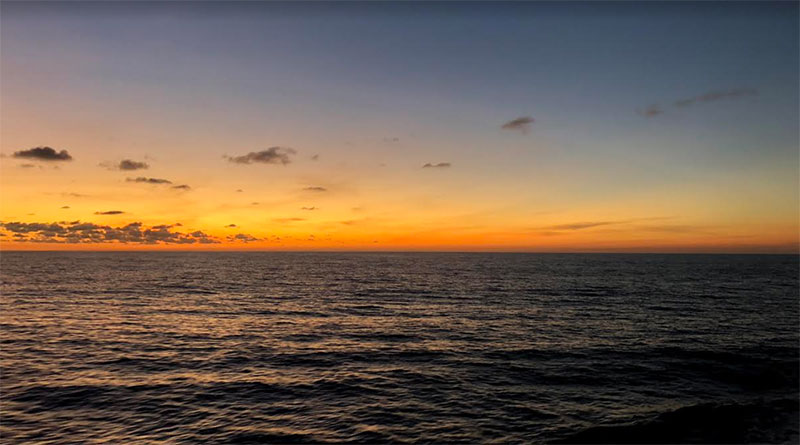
column 711, row 96
column 77, row 232
column 439, row 165
column 522, row 124
column 582, row 225
column 27, row 165
column 230, row 226
column 272, row 155
column 315, row 158
column 315, row 189
column 149, row 180
column 239, row 190
column 391, row 139
column 309, row 208
column 64, row 207
column 288, row 220
column 126, row 164
column 242, row 238
column 182, row 187
column 717, row 95
column 43, row 154
column 651, row 111
column 110, row 212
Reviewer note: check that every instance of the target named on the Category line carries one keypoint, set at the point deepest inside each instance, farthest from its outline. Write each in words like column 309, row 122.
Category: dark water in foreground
column 293, row 347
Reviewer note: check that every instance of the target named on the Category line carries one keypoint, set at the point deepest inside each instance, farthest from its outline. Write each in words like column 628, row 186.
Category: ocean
column 161, row 347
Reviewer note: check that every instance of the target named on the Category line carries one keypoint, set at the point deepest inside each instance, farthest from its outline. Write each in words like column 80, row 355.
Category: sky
column 540, row 127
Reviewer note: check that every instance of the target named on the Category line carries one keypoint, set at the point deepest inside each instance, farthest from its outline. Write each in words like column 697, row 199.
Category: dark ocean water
column 382, row 347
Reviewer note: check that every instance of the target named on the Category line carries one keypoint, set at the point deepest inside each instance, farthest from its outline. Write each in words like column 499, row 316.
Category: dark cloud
column 127, row 164
column 182, row 187
column 522, row 124
column 230, row 226
column 76, row 232
column 27, row 165
column 239, row 190
column 315, row 189
column 110, row 212
column 315, row 158
column 64, row 207
column 716, row 95
column 309, row 208
column 43, row 154
column 439, row 165
column 272, row 155
column 149, row 180
column 288, row 220
column 651, row 111
column 242, row 238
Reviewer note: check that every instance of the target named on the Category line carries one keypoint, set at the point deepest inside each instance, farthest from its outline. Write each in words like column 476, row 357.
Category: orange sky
column 290, row 133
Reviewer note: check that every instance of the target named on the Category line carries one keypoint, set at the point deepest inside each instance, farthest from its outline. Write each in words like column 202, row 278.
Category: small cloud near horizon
column 315, row 189
column 43, row 154
column 110, row 212
column 272, row 155
column 126, row 164
column 149, row 180
column 439, row 165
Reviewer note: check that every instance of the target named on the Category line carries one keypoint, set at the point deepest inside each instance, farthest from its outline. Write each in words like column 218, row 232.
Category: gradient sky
column 656, row 127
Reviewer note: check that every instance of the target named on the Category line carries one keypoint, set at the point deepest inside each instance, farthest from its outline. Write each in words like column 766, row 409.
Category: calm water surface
column 382, row 347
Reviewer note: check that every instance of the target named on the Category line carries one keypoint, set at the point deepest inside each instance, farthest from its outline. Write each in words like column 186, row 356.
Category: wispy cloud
column 181, row 187
column 315, row 189
column 522, row 124
column 149, row 180
column 309, row 208
column 711, row 96
column 582, row 225
column 439, row 165
column 651, row 111
column 231, row 226
column 288, row 220
column 110, row 212
column 717, row 95
column 272, row 155
column 43, row 154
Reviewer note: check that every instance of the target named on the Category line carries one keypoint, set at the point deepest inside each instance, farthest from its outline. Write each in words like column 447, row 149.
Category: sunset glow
column 270, row 126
